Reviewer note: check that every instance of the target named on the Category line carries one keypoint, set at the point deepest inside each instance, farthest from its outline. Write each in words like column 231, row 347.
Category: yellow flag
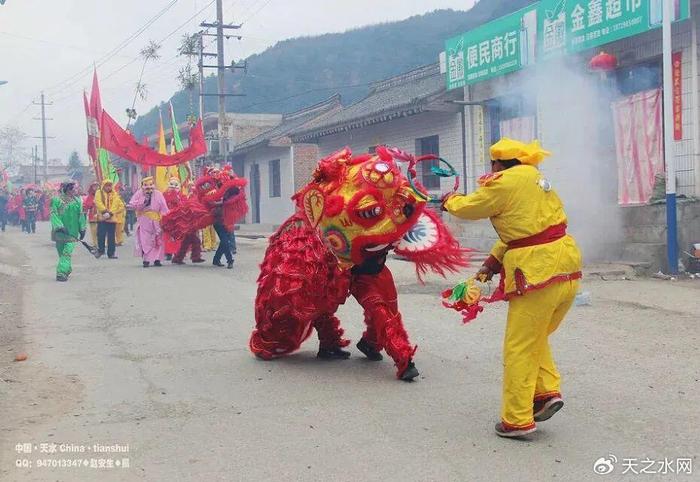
column 162, row 174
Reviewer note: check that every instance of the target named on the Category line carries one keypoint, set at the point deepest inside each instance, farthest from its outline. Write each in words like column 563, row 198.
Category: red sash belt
column 549, row 235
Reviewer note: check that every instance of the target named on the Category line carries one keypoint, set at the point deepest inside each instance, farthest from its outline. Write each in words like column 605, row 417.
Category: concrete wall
column 645, row 232
column 273, row 210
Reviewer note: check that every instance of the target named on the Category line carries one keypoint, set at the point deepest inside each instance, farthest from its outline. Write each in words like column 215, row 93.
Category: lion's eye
column 370, row 212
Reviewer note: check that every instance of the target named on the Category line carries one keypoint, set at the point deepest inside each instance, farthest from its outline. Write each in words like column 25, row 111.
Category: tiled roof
column 398, row 96
column 293, row 121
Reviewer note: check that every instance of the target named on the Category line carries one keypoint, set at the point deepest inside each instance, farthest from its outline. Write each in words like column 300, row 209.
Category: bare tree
column 189, row 46
column 148, row 53
column 187, row 75
column 12, row 150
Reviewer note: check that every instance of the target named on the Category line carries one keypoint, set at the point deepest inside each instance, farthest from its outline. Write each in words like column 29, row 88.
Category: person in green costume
column 68, row 224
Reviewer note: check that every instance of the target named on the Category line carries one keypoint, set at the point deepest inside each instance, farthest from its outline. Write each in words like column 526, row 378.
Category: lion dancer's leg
column 330, row 338
column 190, row 241
column 377, row 295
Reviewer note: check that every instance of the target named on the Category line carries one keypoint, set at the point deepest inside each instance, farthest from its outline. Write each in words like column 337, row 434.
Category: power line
column 116, row 49
column 51, row 42
column 301, row 94
column 119, row 69
column 256, row 12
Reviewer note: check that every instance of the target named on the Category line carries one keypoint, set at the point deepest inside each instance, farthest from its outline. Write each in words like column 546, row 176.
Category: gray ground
column 157, row 359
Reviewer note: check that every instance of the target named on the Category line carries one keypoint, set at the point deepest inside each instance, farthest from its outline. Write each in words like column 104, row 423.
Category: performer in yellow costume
column 541, row 266
column 121, row 221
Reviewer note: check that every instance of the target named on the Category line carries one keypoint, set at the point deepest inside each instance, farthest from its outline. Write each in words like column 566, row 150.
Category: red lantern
column 603, row 62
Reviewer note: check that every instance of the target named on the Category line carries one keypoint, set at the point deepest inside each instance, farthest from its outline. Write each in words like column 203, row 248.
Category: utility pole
column 669, row 144
column 43, row 137
column 200, row 64
column 220, row 76
column 221, row 70
column 35, row 158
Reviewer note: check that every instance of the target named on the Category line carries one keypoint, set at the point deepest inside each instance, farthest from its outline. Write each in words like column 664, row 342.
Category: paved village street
column 157, row 359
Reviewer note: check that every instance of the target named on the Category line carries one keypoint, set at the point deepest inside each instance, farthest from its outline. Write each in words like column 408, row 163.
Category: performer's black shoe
column 168, row 257
column 370, row 352
column 200, row 260
column 113, row 257
column 219, row 264
column 410, row 372
column 61, row 277
column 335, row 353
column 146, row 264
column 178, row 261
column 157, row 263
column 99, row 254
column 229, row 265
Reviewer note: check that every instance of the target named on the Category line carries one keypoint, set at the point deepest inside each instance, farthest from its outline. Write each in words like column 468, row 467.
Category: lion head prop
column 364, row 206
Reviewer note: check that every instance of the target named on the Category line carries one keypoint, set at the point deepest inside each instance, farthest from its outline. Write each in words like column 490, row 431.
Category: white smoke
column 575, row 123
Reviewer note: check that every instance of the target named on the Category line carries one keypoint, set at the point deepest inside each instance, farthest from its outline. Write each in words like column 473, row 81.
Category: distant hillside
column 298, row 72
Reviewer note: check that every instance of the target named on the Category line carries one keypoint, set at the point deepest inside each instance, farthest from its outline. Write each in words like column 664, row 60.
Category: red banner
column 677, row 61
column 122, row 143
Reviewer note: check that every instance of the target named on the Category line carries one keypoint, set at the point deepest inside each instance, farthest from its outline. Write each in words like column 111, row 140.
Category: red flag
column 96, row 101
column 122, row 143
column 92, row 139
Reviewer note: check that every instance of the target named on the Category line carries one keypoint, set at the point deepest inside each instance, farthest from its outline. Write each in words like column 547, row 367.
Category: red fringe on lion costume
column 348, row 218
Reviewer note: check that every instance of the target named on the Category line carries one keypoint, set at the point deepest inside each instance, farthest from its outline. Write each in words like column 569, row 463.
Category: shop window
column 275, row 181
column 425, row 146
column 512, row 116
column 638, row 78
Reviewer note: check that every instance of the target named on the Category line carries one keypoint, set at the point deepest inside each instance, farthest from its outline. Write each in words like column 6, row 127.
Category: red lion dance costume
column 218, row 196
column 353, row 212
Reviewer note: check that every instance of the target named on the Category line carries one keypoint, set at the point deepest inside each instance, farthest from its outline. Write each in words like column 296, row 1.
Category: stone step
column 641, row 253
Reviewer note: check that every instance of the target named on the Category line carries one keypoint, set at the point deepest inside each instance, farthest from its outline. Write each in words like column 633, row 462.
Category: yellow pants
column 93, row 233
column 119, row 235
column 529, row 371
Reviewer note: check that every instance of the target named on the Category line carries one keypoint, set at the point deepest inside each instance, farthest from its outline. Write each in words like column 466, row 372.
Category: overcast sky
column 51, row 45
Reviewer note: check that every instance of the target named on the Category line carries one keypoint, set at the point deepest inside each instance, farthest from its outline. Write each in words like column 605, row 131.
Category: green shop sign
column 575, row 25
column 546, row 29
column 494, row 49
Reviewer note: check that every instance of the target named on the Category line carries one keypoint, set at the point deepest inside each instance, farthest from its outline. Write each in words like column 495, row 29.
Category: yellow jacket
column 520, row 204
column 109, row 202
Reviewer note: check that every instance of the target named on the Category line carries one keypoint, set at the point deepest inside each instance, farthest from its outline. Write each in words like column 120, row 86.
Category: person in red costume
column 191, row 242
column 218, row 198
column 355, row 210
column 173, row 197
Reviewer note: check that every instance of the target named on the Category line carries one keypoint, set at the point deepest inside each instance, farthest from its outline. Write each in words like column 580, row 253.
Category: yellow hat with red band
column 531, row 154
